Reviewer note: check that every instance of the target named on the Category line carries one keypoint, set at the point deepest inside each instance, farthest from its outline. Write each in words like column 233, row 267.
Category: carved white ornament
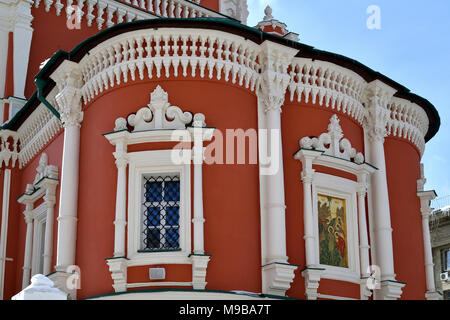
column 333, row 143
column 117, row 11
column 43, row 170
column 159, row 114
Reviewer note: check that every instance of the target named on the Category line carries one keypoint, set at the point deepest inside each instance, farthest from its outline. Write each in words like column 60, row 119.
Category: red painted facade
column 231, row 192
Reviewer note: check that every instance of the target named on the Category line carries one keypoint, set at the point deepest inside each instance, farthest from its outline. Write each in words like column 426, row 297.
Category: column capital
column 363, row 184
column 68, row 80
column 275, row 61
column 377, row 96
column 28, row 215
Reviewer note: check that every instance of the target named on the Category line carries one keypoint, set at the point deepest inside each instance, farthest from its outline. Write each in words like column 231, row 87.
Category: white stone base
column 277, row 278
column 199, row 266
column 312, row 277
column 391, row 290
column 118, row 268
column 65, row 282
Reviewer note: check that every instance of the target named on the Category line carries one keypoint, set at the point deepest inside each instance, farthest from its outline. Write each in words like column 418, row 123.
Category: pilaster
column 120, row 221
column 68, row 80
column 425, row 209
column 275, row 60
column 378, row 96
column 15, row 17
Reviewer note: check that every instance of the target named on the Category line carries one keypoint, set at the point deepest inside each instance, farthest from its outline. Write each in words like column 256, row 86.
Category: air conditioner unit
column 444, row 276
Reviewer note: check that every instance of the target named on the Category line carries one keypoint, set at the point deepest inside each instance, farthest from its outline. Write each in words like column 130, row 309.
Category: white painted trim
column 329, row 297
column 182, row 295
column 344, row 189
column 44, row 185
column 4, row 228
column 159, row 284
column 39, row 218
column 147, row 162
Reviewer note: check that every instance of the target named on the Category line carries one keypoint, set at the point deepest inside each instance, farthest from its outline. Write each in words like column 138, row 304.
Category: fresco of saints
column 332, row 231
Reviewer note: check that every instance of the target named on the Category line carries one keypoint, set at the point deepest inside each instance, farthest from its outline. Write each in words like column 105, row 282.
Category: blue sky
column 412, row 47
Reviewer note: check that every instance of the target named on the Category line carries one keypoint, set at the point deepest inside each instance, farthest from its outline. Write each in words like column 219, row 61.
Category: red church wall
column 300, row 120
column 211, row 4
column 403, row 170
column 50, row 35
column 17, row 226
column 230, row 191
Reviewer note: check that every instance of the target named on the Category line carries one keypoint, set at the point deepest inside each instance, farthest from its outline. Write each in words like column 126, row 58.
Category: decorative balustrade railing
column 170, row 52
column 106, row 13
column 328, row 85
column 408, row 121
column 9, row 148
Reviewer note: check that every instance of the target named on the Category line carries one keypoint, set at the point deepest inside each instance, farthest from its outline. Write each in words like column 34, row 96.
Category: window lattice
column 161, row 213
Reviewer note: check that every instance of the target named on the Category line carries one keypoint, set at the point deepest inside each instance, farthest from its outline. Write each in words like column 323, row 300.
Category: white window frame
column 345, row 189
column 148, row 163
column 39, row 219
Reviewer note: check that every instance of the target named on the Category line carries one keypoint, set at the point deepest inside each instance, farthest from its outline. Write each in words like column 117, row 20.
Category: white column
column 50, row 200
column 382, row 217
column 198, row 220
column 363, row 237
column 428, row 252
column 28, row 245
column 22, row 42
column 379, row 95
column 68, row 79
column 4, row 37
column 4, row 228
column 67, row 220
column 277, row 273
column 308, row 218
column 121, row 199
column 425, row 199
column 275, row 205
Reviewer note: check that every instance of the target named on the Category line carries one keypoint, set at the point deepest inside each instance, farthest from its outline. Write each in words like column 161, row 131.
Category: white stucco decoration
column 159, row 114
column 333, row 143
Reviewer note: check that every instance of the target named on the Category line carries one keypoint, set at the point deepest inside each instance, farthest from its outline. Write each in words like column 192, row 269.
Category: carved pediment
column 160, row 114
column 333, row 143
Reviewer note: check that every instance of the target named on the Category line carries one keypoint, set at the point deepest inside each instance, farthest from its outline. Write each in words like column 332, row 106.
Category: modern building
column 440, row 242
column 163, row 149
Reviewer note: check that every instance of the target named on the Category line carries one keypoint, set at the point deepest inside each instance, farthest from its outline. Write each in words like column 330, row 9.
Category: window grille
column 161, row 213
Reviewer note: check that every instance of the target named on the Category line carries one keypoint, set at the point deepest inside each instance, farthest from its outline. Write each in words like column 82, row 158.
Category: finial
column 268, row 12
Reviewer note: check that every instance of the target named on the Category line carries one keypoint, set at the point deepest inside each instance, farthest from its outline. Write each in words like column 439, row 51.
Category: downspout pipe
column 41, row 84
